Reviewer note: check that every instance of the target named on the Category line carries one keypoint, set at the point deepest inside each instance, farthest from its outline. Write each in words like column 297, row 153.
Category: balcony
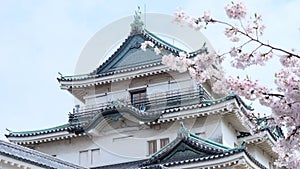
column 151, row 104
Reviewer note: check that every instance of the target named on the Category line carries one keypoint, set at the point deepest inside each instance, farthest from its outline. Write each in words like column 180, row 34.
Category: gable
column 183, row 151
column 129, row 55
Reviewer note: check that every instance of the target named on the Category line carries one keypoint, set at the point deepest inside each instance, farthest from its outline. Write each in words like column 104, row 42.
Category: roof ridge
column 145, row 34
column 163, row 41
column 191, row 54
column 185, row 136
column 34, row 153
column 63, row 126
column 210, row 142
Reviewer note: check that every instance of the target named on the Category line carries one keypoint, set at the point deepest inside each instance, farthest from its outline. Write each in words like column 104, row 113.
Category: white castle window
column 138, row 98
column 164, row 142
column 152, row 146
column 95, row 156
column 83, row 158
column 89, row 157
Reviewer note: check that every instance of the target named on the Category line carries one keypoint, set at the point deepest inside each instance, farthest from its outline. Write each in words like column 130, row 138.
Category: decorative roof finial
column 182, row 132
column 137, row 24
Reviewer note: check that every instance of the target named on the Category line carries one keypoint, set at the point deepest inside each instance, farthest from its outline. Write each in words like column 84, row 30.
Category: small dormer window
column 139, row 98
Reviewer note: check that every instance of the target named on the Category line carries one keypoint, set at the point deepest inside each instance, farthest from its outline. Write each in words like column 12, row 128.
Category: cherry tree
column 248, row 50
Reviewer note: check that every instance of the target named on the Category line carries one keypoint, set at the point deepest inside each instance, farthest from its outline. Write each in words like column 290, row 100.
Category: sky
column 38, row 39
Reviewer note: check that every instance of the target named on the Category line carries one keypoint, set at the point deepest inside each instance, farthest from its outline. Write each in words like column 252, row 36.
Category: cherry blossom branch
column 276, row 95
column 285, row 104
column 255, row 40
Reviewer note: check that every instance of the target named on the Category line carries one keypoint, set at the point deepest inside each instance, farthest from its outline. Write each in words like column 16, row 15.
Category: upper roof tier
column 129, row 57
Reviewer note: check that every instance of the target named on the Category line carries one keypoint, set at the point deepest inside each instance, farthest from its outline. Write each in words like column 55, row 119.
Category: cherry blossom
column 236, row 10
column 206, row 16
column 145, row 44
column 157, row 51
column 248, row 50
column 180, row 16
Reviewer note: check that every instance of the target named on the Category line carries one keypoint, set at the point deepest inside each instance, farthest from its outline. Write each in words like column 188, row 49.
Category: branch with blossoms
column 248, row 50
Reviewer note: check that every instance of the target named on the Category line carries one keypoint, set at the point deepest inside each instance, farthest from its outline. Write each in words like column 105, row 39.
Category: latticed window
column 164, row 142
column 138, row 99
column 152, row 147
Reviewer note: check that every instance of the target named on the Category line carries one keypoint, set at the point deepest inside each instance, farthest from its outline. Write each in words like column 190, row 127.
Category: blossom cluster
column 242, row 60
column 180, row 16
column 284, row 101
column 236, row 10
column 145, row 44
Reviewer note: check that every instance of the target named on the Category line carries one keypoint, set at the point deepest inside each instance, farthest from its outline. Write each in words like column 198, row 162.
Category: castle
column 138, row 113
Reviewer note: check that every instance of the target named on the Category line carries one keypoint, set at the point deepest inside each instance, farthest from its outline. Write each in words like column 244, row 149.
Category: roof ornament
column 137, row 24
column 182, row 132
column 8, row 130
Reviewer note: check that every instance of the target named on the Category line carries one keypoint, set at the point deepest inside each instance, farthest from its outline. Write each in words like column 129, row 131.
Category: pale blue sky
column 40, row 38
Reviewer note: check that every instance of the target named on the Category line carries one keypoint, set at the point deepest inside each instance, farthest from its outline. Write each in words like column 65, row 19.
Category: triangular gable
column 129, row 55
column 183, row 151
column 186, row 146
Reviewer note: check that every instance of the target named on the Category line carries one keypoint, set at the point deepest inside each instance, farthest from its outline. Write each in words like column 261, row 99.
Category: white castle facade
column 138, row 113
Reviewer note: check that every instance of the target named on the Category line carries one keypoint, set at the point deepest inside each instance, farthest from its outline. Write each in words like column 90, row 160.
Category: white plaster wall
column 123, row 141
column 209, row 126
column 115, row 147
column 134, row 144
column 67, row 150
column 154, row 85
column 229, row 136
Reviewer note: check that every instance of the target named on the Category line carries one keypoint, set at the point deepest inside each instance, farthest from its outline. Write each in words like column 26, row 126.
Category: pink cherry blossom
column 236, row 10
column 234, row 52
column 248, row 50
column 229, row 32
column 235, row 39
column 157, row 51
column 206, row 16
column 144, row 46
column 262, row 29
column 180, row 16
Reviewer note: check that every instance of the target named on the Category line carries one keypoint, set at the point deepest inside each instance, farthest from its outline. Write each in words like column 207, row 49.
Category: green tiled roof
column 147, row 35
column 36, row 132
column 189, row 148
column 210, row 142
column 163, row 41
column 206, row 141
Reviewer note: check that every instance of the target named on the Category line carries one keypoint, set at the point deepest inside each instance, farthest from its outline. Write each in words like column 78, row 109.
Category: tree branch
column 257, row 40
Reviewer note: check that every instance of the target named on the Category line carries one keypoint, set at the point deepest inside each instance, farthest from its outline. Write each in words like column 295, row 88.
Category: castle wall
column 123, row 141
column 229, row 136
column 155, row 85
